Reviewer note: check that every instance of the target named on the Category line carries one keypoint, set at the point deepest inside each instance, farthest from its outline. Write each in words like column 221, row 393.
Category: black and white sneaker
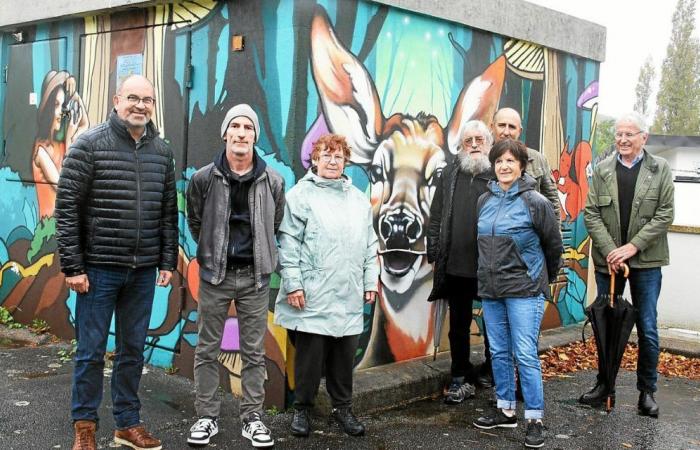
column 202, row 431
column 256, row 431
column 496, row 419
column 534, row 436
column 457, row 392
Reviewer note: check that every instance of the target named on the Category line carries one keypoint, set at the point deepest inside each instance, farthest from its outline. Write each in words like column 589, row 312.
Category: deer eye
column 376, row 173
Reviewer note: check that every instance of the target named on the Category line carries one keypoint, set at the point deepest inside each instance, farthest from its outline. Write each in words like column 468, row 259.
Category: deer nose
column 400, row 230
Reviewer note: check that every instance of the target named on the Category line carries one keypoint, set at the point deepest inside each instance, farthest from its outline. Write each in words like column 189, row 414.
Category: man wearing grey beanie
column 234, row 207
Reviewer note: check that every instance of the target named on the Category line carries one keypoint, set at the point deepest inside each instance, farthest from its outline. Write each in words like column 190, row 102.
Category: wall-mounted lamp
column 18, row 36
column 237, row 43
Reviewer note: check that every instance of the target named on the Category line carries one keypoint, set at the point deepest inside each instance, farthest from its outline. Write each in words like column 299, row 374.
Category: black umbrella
column 612, row 318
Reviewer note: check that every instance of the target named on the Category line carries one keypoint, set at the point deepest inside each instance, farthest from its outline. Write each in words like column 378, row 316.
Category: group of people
column 116, row 217
column 494, row 236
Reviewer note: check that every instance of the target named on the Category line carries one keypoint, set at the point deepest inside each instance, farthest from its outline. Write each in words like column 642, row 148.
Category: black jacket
column 440, row 226
column 116, row 202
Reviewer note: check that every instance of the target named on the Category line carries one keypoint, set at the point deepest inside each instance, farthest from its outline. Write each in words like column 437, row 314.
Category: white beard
column 473, row 166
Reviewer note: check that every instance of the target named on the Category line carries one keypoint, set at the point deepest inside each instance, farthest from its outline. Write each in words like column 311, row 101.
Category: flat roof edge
column 561, row 33
column 44, row 10
column 512, row 18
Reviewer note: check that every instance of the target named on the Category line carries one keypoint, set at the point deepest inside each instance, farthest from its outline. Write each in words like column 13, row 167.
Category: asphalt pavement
column 35, row 399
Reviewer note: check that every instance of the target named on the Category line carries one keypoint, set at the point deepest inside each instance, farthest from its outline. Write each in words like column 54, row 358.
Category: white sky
column 635, row 29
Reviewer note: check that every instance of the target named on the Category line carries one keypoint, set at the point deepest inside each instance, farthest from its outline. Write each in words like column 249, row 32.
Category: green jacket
column 538, row 168
column 652, row 213
column 328, row 248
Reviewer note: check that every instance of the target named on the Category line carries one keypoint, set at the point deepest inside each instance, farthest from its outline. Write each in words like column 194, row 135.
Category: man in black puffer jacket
column 116, row 220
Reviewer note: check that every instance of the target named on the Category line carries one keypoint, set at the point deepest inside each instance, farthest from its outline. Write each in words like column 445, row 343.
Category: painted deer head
column 402, row 154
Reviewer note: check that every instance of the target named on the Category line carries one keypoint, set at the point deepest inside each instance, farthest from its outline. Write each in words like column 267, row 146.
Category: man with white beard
column 452, row 247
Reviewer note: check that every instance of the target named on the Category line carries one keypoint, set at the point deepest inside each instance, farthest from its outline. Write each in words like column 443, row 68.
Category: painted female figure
column 60, row 120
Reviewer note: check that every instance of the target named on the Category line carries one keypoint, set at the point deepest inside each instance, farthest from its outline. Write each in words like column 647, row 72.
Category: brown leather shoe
column 84, row 435
column 137, row 438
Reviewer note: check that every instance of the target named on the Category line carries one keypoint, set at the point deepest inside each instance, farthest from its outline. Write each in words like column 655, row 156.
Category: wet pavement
column 35, row 399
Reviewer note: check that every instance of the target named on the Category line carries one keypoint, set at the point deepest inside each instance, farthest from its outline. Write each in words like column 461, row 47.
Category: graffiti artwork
column 397, row 85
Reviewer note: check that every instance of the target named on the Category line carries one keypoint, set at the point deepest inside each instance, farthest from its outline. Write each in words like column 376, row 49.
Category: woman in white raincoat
column 329, row 265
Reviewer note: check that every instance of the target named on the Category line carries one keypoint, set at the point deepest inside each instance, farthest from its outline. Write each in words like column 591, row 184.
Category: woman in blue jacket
column 328, row 254
column 520, row 251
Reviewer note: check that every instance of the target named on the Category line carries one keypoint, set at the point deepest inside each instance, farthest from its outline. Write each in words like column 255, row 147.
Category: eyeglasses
column 135, row 100
column 626, row 135
column 328, row 158
column 478, row 140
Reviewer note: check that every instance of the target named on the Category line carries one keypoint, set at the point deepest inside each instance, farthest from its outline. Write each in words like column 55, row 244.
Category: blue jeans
column 513, row 327
column 128, row 294
column 645, row 286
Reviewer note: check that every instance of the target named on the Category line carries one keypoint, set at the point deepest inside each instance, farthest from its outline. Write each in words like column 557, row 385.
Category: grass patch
column 7, row 319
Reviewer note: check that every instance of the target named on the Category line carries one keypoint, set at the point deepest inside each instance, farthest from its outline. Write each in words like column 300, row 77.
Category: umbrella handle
column 625, row 272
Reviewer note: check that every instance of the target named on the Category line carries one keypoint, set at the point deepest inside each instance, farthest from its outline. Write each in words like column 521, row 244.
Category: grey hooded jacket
column 208, row 212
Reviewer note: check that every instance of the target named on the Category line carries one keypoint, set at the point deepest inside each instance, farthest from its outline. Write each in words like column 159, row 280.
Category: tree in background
column 604, row 137
column 643, row 89
column 678, row 100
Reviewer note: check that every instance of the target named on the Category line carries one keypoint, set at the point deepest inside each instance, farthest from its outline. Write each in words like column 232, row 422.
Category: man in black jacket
column 116, row 220
column 452, row 246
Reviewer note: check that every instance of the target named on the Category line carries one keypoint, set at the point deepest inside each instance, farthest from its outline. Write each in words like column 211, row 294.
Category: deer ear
column 348, row 97
column 477, row 101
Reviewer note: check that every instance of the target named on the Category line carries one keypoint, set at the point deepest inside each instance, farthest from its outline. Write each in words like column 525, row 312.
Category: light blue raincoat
column 328, row 249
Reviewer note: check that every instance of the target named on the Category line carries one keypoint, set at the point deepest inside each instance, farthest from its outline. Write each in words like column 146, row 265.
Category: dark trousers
column 462, row 292
column 316, row 352
column 128, row 295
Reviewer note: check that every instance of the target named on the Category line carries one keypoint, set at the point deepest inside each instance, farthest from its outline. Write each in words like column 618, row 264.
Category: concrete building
column 350, row 66
column 678, row 311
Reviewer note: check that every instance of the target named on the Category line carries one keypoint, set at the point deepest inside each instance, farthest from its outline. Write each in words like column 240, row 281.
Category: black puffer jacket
column 116, row 202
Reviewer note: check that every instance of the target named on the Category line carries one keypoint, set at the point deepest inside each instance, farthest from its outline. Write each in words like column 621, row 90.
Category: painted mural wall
column 396, row 84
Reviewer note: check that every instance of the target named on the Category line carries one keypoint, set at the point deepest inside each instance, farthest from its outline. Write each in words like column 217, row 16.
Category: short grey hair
column 478, row 126
column 635, row 118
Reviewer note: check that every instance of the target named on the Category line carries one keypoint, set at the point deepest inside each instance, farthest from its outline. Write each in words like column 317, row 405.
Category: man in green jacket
column 628, row 211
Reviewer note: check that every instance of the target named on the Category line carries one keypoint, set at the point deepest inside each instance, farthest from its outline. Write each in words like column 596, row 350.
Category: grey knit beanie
column 242, row 109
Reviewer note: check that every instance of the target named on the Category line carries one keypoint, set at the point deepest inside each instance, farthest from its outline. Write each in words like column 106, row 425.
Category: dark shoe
column 301, row 425
column 84, row 435
column 347, row 421
column 457, row 392
column 137, row 438
column 647, row 405
column 496, row 419
column 534, row 436
column 597, row 396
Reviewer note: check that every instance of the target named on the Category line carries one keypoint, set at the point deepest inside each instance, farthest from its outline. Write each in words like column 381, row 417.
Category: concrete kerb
column 388, row 386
